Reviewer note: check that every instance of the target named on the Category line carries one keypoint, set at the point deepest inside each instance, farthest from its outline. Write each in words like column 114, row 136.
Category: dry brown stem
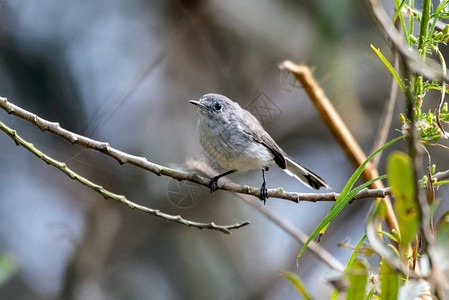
column 341, row 132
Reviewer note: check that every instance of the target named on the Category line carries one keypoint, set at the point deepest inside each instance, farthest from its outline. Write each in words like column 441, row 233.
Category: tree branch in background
column 338, row 128
column 109, row 195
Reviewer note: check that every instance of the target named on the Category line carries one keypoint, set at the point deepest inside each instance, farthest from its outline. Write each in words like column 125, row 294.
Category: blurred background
column 123, row 72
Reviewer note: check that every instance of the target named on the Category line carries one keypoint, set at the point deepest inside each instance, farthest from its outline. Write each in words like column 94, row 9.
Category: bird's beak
column 197, row 103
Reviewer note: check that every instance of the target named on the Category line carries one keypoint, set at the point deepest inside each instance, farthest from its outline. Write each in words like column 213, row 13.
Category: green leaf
column 375, row 216
column 351, row 261
column 400, row 177
column 297, row 283
column 390, row 236
column 441, row 7
column 346, row 194
column 390, row 68
column 398, row 9
column 356, row 250
column 334, row 295
column 389, row 282
column 401, row 19
column 358, row 278
column 335, row 210
column 370, row 295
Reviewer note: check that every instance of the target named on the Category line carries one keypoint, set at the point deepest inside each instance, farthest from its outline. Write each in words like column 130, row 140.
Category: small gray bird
column 237, row 141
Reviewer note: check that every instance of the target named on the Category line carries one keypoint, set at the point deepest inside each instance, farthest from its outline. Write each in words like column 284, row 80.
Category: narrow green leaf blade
column 356, row 250
column 334, row 295
column 398, row 9
column 401, row 18
column 336, row 210
column 390, row 68
column 345, row 195
column 441, row 6
column 351, row 261
column 400, row 177
column 297, row 284
column 360, row 169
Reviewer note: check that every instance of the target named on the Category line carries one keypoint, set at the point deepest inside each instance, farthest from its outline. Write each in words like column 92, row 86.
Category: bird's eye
column 217, row 106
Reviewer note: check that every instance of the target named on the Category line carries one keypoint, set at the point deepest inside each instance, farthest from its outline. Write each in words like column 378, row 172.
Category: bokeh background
column 123, row 72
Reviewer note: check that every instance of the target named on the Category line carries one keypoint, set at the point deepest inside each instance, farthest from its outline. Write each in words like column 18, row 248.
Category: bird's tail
column 305, row 176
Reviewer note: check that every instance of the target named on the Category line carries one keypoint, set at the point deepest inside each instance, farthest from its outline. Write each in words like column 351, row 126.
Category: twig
column 296, row 233
column 440, row 176
column 332, row 119
column 109, row 195
column 434, row 144
column 159, row 170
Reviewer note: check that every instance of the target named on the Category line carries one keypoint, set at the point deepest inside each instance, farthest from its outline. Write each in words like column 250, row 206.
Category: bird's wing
column 259, row 135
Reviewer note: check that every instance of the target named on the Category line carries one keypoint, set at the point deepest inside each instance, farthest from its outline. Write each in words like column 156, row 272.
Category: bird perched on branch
column 237, row 141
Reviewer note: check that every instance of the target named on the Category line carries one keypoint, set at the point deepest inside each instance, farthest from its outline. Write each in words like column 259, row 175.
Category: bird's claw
column 264, row 193
column 213, row 184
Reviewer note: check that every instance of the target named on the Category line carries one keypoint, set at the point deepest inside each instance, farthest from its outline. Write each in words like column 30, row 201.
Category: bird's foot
column 264, row 193
column 213, row 184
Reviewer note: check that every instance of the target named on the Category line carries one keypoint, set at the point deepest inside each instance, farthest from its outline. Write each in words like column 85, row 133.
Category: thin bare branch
column 109, row 195
column 159, row 170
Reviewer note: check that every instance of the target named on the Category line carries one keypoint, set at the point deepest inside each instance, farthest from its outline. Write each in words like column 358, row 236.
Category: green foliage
column 351, row 261
column 398, row 251
column 401, row 18
column 400, row 177
column 297, row 284
column 335, row 210
column 357, row 275
column 347, row 194
column 390, row 68
column 428, row 41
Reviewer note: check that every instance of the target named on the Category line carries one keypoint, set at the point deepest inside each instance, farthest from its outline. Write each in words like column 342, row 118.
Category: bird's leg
column 213, row 184
column 263, row 189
